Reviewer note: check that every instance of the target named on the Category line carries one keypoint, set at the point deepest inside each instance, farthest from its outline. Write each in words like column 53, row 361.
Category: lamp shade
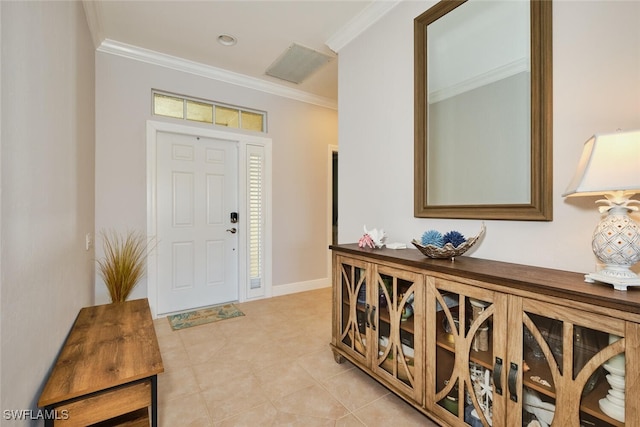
column 610, row 162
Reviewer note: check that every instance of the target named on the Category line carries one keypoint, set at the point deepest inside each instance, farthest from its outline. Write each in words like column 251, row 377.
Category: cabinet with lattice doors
column 489, row 343
column 505, row 360
column 573, row 366
column 378, row 322
column 468, row 326
column 352, row 307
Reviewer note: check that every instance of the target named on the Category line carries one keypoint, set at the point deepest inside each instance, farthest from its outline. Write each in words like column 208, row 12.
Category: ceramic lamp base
column 616, row 243
column 619, row 281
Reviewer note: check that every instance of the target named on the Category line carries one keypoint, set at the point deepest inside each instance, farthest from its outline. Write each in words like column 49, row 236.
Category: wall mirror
column 483, row 110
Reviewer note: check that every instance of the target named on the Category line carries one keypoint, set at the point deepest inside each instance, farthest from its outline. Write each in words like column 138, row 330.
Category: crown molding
column 92, row 12
column 179, row 64
column 521, row 65
column 359, row 23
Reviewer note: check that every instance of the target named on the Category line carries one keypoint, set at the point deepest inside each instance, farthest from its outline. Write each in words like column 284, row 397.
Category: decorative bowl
column 447, row 251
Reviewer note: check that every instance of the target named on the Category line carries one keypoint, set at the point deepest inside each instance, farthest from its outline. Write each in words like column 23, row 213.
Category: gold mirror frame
column 540, row 207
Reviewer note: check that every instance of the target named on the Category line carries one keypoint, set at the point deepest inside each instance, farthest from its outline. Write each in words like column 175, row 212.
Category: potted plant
column 123, row 264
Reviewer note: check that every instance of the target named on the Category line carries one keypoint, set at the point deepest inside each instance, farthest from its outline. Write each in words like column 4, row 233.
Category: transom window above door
column 198, row 110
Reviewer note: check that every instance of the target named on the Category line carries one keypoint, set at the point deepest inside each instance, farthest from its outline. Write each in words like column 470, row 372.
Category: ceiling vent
column 297, row 63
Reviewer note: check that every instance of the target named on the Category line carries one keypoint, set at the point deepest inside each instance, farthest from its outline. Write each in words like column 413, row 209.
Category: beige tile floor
column 271, row 367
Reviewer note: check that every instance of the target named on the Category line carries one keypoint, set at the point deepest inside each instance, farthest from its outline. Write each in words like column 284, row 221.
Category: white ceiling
column 264, row 30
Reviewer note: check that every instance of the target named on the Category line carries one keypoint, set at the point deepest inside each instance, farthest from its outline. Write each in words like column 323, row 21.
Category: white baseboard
column 292, row 288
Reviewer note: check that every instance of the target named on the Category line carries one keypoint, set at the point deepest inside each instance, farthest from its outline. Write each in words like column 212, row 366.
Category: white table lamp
column 610, row 166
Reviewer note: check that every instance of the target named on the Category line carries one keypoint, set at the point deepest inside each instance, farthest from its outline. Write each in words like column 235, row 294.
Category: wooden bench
column 107, row 369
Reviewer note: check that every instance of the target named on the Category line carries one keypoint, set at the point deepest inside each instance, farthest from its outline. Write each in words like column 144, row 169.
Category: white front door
column 197, row 244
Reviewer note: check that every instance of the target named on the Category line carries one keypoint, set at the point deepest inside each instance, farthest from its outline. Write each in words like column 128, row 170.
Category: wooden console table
column 481, row 342
column 107, row 368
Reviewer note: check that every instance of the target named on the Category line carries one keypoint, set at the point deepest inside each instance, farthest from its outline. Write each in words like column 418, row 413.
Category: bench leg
column 48, row 421
column 154, row 401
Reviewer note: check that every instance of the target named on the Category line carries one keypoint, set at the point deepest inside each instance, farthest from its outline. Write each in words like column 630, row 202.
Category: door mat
column 203, row 315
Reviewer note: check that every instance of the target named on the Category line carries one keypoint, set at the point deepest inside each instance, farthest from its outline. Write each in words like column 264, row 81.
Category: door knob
column 232, row 230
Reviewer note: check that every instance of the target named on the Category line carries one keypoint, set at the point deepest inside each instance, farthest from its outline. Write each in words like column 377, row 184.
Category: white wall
column 300, row 132
column 596, row 57
column 47, row 199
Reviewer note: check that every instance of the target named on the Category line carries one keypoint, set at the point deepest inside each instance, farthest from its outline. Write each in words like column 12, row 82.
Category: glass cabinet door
column 397, row 327
column 354, row 307
column 469, row 329
column 573, row 369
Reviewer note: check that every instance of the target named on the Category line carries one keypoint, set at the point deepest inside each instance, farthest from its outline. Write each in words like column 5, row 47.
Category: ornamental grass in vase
column 123, row 264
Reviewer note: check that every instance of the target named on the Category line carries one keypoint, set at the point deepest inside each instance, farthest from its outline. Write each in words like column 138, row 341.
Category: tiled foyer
column 271, row 367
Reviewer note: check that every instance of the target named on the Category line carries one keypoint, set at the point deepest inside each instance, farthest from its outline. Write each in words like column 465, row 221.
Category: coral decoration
column 454, row 237
column 454, row 244
column 372, row 238
column 432, row 237
column 366, row 241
